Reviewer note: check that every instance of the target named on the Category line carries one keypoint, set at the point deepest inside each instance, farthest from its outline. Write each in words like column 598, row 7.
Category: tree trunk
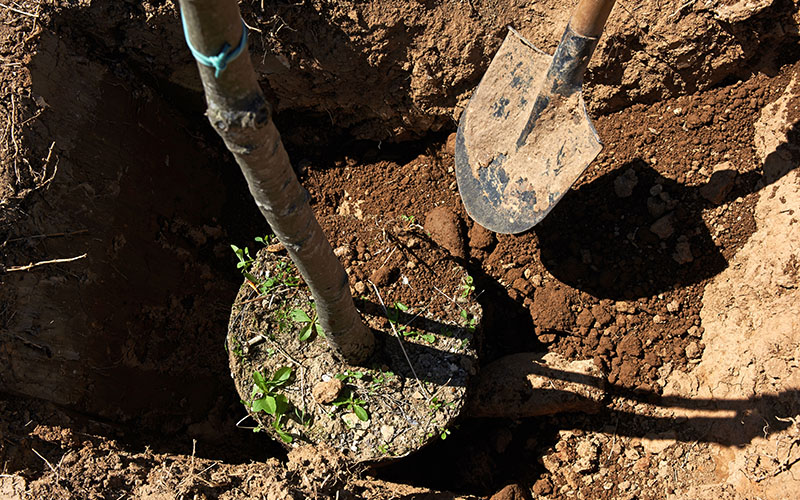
column 241, row 116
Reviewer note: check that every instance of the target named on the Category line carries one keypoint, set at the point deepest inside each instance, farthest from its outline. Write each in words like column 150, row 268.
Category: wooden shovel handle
column 590, row 16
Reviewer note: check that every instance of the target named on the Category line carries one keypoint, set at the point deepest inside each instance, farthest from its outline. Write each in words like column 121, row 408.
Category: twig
column 47, row 462
column 679, row 9
column 50, row 235
column 12, row 9
column 400, row 341
column 42, row 263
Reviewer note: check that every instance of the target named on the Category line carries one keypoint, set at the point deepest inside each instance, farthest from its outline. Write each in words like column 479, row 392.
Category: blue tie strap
column 226, row 54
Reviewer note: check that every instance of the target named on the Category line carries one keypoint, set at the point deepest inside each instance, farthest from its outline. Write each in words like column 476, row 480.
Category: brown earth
column 672, row 264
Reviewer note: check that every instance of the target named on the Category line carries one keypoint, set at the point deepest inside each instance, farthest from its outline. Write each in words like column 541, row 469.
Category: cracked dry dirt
column 668, row 275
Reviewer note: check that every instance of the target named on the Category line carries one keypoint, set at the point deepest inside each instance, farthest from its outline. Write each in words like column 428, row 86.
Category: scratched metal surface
column 508, row 184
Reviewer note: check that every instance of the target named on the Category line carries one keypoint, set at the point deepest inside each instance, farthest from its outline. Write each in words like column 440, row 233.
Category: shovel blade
column 507, row 187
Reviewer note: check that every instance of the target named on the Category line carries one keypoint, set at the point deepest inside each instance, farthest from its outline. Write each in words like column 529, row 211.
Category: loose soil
column 671, row 265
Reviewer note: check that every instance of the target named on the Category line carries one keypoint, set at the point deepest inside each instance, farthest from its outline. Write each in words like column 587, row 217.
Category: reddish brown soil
column 135, row 361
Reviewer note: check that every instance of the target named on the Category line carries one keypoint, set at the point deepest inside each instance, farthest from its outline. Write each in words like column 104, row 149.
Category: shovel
column 525, row 137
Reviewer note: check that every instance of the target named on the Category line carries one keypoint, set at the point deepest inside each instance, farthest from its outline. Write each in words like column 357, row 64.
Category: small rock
column 326, row 392
column 659, row 320
column 720, row 184
column 542, row 487
column 664, row 227
column 481, row 238
column 601, row 315
column 694, row 331
column 343, row 251
column 276, row 248
column 384, row 275
column 511, row 492
column 692, row 350
column 631, row 346
column 551, row 309
column 585, row 318
column 683, row 251
column 360, row 287
column 624, row 184
column 673, row 306
column 450, row 145
column 588, row 454
column 446, row 229
column 387, row 432
column 625, row 307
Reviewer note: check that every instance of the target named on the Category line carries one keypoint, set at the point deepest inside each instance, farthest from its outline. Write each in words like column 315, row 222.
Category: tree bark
column 240, row 114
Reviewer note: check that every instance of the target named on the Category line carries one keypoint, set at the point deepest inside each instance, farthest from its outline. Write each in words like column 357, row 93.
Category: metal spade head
column 525, row 137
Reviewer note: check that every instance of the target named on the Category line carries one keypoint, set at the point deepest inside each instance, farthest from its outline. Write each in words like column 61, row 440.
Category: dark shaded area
column 612, row 249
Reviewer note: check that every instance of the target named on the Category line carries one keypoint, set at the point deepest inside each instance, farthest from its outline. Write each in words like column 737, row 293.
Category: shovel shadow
column 653, row 240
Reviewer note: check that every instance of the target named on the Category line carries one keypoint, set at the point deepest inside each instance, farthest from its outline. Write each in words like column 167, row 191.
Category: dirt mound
column 668, row 273
column 403, row 69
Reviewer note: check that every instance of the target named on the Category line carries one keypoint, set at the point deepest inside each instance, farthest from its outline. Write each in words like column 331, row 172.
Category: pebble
column 673, row 306
column 664, row 227
column 683, row 251
column 692, row 350
column 387, row 432
column 360, row 287
column 720, row 184
column 624, row 184
column 327, row 392
column 588, row 453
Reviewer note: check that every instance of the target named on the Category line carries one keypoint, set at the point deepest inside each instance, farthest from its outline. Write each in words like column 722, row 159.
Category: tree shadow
column 484, row 454
column 653, row 240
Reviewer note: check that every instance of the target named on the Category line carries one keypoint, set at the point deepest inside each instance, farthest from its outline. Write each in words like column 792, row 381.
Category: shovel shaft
column 565, row 74
column 590, row 17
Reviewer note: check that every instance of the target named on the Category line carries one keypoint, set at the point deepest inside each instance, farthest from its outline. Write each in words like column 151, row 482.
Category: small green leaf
column 266, row 404
column 260, row 382
column 298, row 315
column 285, row 437
column 282, row 375
column 305, row 332
column 318, row 326
column 361, row 413
column 401, row 306
column 429, row 338
column 281, row 404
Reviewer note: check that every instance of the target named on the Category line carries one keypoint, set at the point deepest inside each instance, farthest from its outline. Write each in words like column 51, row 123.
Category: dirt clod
column 327, row 392
column 512, row 492
column 446, row 229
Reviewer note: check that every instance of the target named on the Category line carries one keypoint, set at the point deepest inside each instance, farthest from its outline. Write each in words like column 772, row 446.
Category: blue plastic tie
column 220, row 61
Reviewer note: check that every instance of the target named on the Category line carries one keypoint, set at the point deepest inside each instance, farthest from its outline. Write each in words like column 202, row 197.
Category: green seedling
column 266, row 398
column 310, row 325
column 404, row 330
column 409, row 219
column 349, row 374
column 471, row 322
column 437, row 404
column 265, row 240
column 245, row 261
column 467, row 286
column 353, row 404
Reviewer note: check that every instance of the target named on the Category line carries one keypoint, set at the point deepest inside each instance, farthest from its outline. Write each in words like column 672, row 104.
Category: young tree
column 242, row 117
